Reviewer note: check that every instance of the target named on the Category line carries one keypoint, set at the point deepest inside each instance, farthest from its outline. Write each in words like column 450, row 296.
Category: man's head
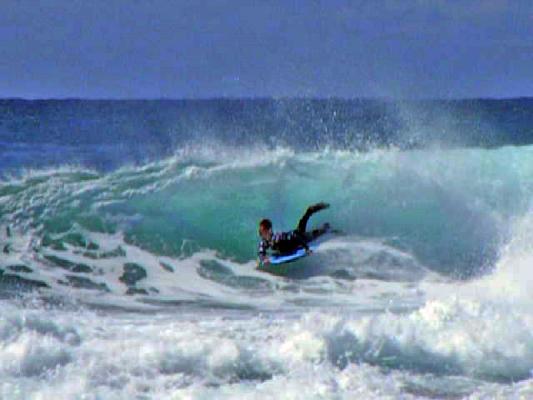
column 265, row 229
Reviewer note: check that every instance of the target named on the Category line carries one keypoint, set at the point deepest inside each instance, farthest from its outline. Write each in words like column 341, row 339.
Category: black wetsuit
column 288, row 242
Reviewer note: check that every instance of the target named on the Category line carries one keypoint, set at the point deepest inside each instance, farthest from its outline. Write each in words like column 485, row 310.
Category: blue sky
column 198, row 49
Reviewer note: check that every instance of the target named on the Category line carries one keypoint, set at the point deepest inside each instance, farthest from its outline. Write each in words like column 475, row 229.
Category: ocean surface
column 128, row 238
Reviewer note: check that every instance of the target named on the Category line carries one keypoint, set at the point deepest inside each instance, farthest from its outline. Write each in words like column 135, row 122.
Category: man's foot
column 318, row 206
column 325, row 228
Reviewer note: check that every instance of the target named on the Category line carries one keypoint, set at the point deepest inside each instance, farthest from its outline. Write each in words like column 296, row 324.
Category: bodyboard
column 280, row 264
column 286, row 258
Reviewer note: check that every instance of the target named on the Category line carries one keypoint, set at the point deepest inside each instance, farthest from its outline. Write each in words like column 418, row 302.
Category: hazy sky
column 196, row 49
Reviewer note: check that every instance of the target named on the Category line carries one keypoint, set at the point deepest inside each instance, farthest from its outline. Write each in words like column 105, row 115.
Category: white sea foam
column 67, row 354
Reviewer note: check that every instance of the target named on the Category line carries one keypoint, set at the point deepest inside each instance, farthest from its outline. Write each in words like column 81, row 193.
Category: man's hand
column 266, row 261
column 308, row 251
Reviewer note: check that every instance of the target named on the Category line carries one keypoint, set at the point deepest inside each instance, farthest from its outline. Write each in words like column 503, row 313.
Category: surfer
column 287, row 242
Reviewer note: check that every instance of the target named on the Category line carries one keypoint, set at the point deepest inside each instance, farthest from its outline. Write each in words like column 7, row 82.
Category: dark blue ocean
column 128, row 237
column 108, row 134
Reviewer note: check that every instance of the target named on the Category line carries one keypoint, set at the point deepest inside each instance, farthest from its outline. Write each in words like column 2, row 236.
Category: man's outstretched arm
column 262, row 252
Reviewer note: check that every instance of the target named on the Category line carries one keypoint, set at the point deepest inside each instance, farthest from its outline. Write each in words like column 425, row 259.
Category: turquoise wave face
column 448, row 208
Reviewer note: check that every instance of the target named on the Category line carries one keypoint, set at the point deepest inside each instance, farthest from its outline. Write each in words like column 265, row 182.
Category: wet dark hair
column 265, row 223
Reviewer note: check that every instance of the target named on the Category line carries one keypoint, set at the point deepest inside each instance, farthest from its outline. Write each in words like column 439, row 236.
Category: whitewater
column 139, row 280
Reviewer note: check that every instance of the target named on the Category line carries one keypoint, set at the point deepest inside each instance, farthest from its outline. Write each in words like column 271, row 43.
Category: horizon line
column 260, row 98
